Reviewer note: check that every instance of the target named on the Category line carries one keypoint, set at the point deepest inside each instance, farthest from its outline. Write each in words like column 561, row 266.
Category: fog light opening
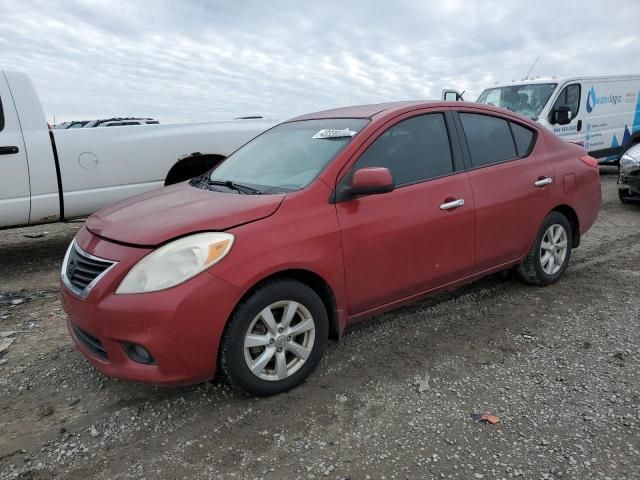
column 139, row 354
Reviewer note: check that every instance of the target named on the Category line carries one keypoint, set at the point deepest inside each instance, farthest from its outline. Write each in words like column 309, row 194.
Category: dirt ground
column 560, row 367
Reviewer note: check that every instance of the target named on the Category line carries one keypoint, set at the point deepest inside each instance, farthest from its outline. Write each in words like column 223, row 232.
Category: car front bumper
column 630, row 183
column 180, row 327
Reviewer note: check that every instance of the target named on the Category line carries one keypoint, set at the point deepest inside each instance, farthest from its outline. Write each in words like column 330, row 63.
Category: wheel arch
column 192, row 165
column 572, row 216
column 313, row 281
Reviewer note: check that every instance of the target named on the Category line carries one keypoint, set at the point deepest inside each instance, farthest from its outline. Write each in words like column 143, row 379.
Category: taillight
column 590, row 161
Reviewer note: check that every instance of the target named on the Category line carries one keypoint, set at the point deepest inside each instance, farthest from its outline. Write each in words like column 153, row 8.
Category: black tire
column 531, row 270
column 232, row 352
column 622, row 195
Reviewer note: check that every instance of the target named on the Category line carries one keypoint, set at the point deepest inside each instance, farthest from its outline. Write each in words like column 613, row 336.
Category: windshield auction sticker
column 333, row 133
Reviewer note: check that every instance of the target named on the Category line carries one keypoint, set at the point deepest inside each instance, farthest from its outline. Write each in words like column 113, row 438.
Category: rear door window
column 1, row 116
column 489, row 139
column 413, row 150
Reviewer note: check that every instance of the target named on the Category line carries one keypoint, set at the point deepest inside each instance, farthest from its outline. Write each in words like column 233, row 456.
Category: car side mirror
column 561, row 115
column 452, row 96
column 366, row 181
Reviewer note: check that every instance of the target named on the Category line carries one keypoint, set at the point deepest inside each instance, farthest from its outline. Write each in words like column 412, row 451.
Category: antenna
column 531, row 69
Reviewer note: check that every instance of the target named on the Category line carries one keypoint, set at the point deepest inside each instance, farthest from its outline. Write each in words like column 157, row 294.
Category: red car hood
column 160, row 215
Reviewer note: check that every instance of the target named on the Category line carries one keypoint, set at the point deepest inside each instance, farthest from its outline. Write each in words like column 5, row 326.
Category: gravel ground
column 394, row 399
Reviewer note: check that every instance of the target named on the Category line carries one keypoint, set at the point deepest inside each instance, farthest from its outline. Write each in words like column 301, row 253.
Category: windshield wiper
column 238, row 187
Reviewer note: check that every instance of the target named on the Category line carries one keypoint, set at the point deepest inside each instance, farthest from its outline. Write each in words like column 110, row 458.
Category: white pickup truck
column 52, row 175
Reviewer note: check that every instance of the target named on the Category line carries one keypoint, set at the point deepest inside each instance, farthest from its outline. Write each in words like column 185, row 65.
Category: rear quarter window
column 489, row 139
column 1, row 116
column 523, row 138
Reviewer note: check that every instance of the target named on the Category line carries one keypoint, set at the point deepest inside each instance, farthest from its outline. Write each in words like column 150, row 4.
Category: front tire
column 275, row 338
column 550, row 253
column 623, row 196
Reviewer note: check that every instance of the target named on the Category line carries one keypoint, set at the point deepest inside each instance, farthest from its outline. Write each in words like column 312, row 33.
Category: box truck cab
column 600, row 112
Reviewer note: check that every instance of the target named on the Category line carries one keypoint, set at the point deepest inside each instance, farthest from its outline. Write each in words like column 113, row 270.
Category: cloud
column 199, row 60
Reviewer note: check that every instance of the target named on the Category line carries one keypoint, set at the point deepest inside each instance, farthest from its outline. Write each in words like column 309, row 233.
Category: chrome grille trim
column 83, row 291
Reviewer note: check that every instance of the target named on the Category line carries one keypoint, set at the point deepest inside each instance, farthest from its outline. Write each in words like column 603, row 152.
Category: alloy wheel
column 279, row 340
column 553, row 249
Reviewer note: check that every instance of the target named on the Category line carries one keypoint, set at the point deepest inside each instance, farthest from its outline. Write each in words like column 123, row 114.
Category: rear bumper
column 588, row 211
column 181, row 327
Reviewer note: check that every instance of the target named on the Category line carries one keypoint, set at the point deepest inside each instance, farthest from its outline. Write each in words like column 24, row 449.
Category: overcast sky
column 209, row 60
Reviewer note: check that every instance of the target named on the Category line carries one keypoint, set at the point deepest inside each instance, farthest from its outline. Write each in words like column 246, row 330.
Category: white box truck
column 600, row 112
column 52, row 175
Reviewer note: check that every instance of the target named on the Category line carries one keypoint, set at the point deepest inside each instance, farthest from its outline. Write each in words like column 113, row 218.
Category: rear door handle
column 8, row 150
column 453, row 204
column 543, row 181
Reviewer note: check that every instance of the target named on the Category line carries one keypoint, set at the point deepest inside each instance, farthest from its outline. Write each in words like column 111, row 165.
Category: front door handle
column 543, row 181
column 452, row 204
column 8, row 150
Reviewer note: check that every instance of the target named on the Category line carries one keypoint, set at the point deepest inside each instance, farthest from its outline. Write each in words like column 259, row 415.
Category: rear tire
column 275, row 338
column 550, row 252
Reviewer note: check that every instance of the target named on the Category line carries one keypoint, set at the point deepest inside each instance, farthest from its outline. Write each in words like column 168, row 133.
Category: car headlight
column 176, row 262
column 629, row 163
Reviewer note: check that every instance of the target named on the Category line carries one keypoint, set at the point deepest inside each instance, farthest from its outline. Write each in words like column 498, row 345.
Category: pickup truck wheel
column 550, row 252
column 191, row 167
column 275, row 338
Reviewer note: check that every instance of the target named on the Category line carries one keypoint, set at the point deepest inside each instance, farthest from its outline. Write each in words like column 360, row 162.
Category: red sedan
column 315, row 224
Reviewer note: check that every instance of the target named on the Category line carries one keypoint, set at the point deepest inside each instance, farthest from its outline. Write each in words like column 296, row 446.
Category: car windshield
column 527, row 100
column 289, row 156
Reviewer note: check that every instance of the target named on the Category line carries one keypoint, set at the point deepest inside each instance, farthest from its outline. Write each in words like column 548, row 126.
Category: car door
column 568, row 97
column 512, row 182
column 14, row 172
column 420, row 235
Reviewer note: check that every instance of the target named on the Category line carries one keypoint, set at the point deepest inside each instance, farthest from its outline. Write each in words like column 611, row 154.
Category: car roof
column 369, row 111
column 380, row 112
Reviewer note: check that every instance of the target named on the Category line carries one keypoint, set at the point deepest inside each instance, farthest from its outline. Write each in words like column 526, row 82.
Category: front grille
column 91, row 343
column 630, row 178
column 81, row 271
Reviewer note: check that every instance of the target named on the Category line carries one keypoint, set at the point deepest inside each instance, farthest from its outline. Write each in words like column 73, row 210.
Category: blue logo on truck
column 626, row 138
column 635, row 126
column 593, row 100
